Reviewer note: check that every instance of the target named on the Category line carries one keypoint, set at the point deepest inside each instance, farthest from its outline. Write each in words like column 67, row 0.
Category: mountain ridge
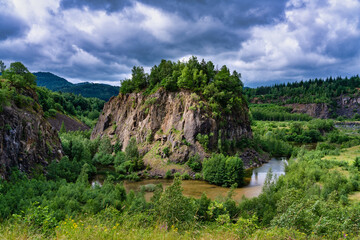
column 86, row 89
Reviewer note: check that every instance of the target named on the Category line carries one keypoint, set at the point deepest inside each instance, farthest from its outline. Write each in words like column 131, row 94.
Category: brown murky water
column 195, row 188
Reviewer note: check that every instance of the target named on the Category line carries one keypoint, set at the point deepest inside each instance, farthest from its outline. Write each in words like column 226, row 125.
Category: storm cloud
column 100, row 41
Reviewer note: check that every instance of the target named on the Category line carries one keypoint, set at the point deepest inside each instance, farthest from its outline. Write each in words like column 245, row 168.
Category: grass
column 134, row 227
column 355, row 196
column 347, row 155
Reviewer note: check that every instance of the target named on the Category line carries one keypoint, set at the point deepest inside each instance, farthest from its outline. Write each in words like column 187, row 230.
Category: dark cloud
column 108, row 5
column 11, row 26
column 244, row 13
column 100, row 40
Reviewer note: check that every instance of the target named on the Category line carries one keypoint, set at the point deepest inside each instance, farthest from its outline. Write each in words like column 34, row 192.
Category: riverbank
column 255, row 179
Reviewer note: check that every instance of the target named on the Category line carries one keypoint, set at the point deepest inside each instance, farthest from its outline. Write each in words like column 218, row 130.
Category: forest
column 317, row 198
column 311, row 91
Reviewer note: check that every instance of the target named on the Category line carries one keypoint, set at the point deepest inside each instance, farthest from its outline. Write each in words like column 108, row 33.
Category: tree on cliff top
column 220, row 88
column 19, row 75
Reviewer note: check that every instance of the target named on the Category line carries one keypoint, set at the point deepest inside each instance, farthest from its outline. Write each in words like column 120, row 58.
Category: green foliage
column 150, row 137
column 223, row 171
column 272, row 112
column 194, row 163
column 86, row 109
column 64, row 169
column 19, row 75
column 198, row 176
column 357, row 163
column 220, row 88
column 174, row 208
column 168, row 174
column 203, row 140
column 62, row 128
column 38, row 216
column 166, row 151
column 16, row 86
column 305, row 91
column 2, row 66
column 132, row 155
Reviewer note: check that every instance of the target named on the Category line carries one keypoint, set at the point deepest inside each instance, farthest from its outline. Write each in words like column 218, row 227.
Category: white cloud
column 301, row 43
column 311, row 38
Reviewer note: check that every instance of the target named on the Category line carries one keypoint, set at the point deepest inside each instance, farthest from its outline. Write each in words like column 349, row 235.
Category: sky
column 101, row 40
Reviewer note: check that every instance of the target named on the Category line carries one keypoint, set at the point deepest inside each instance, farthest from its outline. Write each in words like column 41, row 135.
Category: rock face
column 27, row 141
column 315, row 110
column 71, row 124
column 177, row 120
column 347, row 106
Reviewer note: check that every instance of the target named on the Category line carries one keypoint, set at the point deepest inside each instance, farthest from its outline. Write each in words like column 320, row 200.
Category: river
column 195, row 188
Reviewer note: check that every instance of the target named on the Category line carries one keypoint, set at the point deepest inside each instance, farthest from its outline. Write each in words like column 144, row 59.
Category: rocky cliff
column 174, row 125
column 347, row 106
column 315, row 110
column 27, row 140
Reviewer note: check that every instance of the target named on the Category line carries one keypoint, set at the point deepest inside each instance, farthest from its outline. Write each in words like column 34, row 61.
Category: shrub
column 168, row 174
column 194, row 163
column 223, row 171
column 174, row 208
column 198, row 176
column 185, row 176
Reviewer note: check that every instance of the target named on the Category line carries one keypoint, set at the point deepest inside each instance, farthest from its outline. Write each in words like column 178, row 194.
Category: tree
column 139, row 78
column 63, row 128
column 132, row 154
column 2, row 66
column 20, row 75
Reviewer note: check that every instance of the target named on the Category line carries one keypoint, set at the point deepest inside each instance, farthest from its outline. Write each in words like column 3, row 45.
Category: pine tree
column 63, row 128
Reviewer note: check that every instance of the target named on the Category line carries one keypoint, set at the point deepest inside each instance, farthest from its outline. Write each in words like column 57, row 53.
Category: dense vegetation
column 272, row 112
column 312, row 91
column 88, row 90
column 224, row 171
column 311, row 200
column 18, row 85
column 316, row 198
column 220, row 88
column 51, row 81
column 85, row 109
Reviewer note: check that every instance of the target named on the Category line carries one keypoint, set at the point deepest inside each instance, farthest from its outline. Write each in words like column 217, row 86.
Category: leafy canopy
column 222, row 89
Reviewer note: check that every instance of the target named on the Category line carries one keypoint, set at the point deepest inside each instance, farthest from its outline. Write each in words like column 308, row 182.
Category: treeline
column 86, row 109
column 222, row 89
column 272, row 112
column 312, row 91
column 18, row 85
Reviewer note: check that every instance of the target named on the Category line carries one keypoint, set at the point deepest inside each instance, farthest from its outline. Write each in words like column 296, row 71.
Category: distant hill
column 56, row 83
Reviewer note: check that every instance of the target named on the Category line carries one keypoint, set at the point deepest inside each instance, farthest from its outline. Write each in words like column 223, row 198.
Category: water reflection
column 195, row 188
column 259, row 174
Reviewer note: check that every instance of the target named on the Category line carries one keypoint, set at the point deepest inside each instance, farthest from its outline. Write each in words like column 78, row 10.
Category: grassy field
column 347, row 155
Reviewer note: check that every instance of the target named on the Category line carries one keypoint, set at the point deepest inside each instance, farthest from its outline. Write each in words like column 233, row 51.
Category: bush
column 194, row 163
column 185, row 176
column 198, row 176
column 224, row 171
column 174, row 208
column 168, row 174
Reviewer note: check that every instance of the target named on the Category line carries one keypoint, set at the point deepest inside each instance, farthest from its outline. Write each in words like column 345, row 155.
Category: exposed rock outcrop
column 347, row 106
column 71, row 124
column 315, row 110
column 172, row 122
column 27, row 141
